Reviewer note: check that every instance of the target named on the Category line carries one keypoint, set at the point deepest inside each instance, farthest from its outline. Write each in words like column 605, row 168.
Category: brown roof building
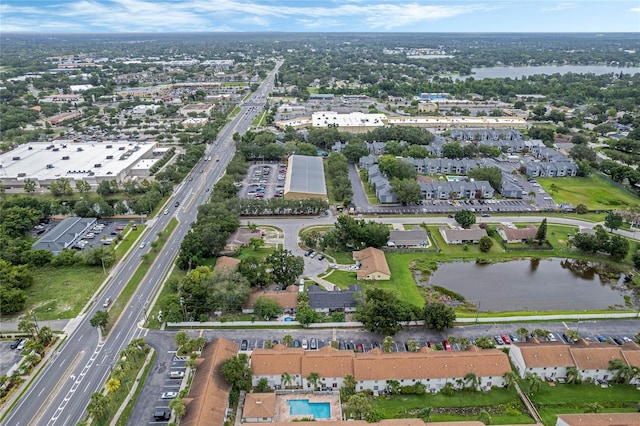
column 208, row 397
column 226, row 263
column 599, row 419
column 259, row 407
column 373, row 264
column 517, row 235
column 462, row 236
column 240, row 238
column 287, row 299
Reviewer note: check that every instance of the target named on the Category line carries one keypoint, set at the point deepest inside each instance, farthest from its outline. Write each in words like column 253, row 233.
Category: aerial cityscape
column 228, row 213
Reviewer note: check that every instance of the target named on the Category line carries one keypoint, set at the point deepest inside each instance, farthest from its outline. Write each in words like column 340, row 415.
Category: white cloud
column 559, row 6
column 635, row 9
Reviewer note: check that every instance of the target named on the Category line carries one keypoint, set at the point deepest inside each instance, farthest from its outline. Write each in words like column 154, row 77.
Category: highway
column 61, row 393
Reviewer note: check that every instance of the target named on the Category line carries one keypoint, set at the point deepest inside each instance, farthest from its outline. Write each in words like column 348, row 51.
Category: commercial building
column 305, row 178
column 92, row 162
column 64, row 235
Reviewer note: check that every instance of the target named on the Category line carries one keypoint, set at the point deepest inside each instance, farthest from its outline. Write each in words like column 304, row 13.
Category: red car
column 359, row 347
column 506, row 339
column 447, row 346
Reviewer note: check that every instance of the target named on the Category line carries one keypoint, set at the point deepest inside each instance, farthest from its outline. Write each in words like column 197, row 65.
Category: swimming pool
column 319, row 410
column 454, row 178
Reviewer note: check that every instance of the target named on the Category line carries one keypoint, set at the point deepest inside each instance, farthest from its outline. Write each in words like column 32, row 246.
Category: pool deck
column 282, row 408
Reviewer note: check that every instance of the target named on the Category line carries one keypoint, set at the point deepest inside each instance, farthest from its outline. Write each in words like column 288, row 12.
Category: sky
column 159, row 16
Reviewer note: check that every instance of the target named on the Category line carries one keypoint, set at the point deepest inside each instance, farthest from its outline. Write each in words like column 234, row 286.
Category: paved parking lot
column 264, row 180
column 8, row 357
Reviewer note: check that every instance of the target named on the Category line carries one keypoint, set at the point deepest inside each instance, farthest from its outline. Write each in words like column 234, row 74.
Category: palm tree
column 413, row 346
column 313, row 379
column 287, row 340
column 624, row 372
column 191, row 363
column 113, row 384
column 425, row 414
column 572, row 334
column 510, row 379
column 178, row 407
column 268, row 344
column 199, row 342
column 348, row 385
column 573, row 375
column 388, row 344
column 472, row 381
column 97, row 405
column 287, row 380
column 534, row 382
column 522, row 333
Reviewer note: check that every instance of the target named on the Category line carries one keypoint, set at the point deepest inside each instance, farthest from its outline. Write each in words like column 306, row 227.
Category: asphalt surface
column 61, row 392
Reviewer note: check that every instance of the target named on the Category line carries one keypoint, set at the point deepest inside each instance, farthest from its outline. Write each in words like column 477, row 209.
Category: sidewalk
column 10, row 325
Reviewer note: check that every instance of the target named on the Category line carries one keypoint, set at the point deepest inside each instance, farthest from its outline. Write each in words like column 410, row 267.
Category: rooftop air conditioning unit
column 66, row 157
column 49, row 166
column 16, row 158
column 109, row 157
column 109, row 146
column 97, row 165
column 22, row 174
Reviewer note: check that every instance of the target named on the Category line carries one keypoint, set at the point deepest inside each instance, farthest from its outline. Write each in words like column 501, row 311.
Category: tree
column 533, row 381
column 613, row 221
column 485, row 342
column 452, row 150
column 263, row 385
column 465, row 218
column 425, row 414
column 553, row 188
column 267, row 308
column 572, row 375
column 471, row 381
column 541, row 333
column 493, row 175
column 29, row 186
column 255, row 271
column 541, row 235
column 484, row 417
column 287, row 380
column 359, row 406
column 572, row 335
column 354, row 150
column 438, row 316
column 510, row 379
column 285, row 267
column 181, row 338
column 82, row 186
column 236, row 371
column 413, row 346
column 407, row 190
column 287, row 340
column 313, row 379
column 348, row 386
column 268, row 344
column 485, row 244
column 624, row 373
column 305, row 314
column 178, row 407
column 100, row 319
column 388, row 344
column 97, row 407
column 256, row 243
column 113, row 384
column 382, row 312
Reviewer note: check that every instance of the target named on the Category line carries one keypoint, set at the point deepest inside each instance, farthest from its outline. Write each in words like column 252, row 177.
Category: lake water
column 534, row 285
column 520, row 72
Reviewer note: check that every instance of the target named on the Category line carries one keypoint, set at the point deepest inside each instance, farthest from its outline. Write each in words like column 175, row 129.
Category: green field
column 401, row 281
column 594, row 192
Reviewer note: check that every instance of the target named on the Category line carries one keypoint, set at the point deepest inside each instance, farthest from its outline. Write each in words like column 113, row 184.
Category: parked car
column 308, row 252
column 320, row 257
column 296, row 343
column 498, row 340
column 359, row 347
column 313, row 344
column 22, row 344
column 618, row 341
column 446, row 345
column 168, row 395
column 514, row 338
column 341, row 345
column 312, row 254
column 162, row 414
column 176, row 374
column 305, row 344
column 15, row 343
column 601, row 338
column 506, row 339
column 244, row 345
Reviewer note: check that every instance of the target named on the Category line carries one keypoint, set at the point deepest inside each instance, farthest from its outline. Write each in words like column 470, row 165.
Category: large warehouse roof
column 46, row 162
column 305, row 176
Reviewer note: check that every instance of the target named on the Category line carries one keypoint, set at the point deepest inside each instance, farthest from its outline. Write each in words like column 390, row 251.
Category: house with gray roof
column 456, row 190
column 381, row 185
column 448, row 166
column 416, row 237
column 509, row 187
column 325, row 301
column 551, row 168
column 462, row 236
column 65, row 234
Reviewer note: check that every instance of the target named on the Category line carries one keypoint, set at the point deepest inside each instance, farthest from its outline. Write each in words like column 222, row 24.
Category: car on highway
column 107, row 302
column 166, row 211
column 177, row 204
column 142, row 245
column 168, row 395
column 244, row 345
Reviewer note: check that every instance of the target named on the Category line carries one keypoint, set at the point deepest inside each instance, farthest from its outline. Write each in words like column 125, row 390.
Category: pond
column 520, row 72
column 530, row 285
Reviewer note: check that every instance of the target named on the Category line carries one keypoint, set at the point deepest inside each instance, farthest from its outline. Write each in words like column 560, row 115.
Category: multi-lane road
column 60, row 394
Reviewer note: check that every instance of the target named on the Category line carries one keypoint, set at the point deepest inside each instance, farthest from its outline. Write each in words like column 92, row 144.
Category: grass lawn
column 495, row 401
column 401, row 280
column 594, row 192
column 62, row 292
column 262, row 252
column 132, row 236
column 551, row 401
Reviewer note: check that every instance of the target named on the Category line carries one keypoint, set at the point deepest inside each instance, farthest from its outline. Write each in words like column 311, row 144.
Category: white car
column 166, row 211
column 305, row 344
column 169, row 395
column 143, row 245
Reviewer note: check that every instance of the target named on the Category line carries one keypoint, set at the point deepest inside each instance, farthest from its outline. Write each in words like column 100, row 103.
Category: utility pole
column 478, row 310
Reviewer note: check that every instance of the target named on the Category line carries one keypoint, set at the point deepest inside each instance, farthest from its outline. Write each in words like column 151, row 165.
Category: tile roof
column 548, row 354
column 287, row 298
column 209, row 392
column 371, row 260
column 226, row 263
column 277, row 360
column 378, row 365
column 519, row 233
column 463, row 234
column 322, row 299
column 601, row 419
column 596, row 358
column 259, row 405
column 414, row 237
column 328, row 362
